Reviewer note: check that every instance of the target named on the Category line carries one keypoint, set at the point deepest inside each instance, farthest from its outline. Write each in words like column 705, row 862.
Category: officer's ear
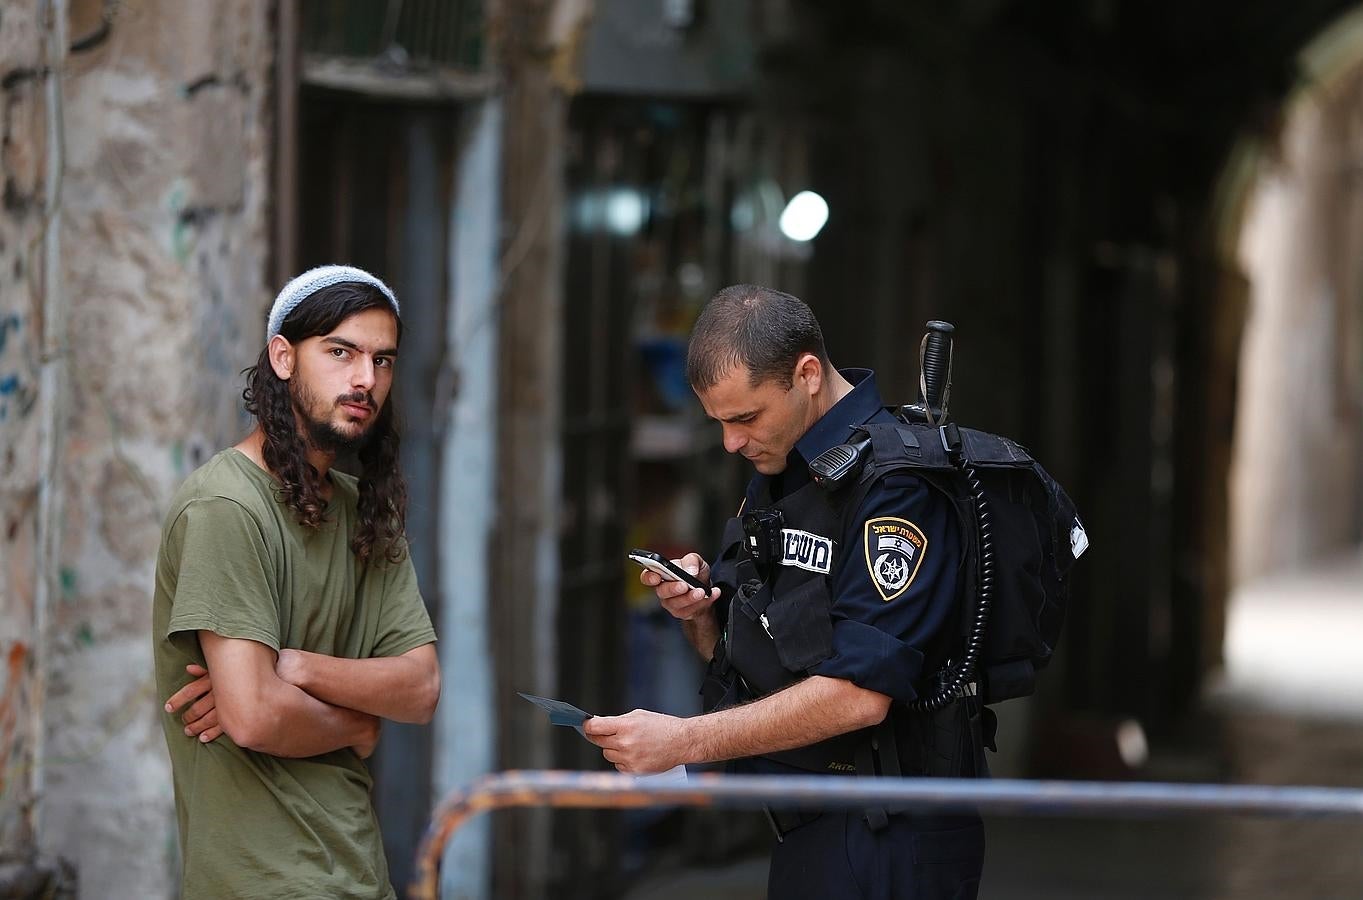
column 808, row 375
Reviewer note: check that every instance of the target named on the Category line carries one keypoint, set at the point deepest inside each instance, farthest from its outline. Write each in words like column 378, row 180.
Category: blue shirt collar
column 860, row 405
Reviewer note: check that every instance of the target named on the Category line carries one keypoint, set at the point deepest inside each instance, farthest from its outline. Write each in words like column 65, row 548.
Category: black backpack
column 1021, row 536
column 1021, row 532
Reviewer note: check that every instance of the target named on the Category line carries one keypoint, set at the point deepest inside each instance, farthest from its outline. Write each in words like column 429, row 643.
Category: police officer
column 827, row 615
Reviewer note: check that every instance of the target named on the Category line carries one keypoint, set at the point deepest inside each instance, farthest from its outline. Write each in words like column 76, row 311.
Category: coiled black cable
column 955, row 677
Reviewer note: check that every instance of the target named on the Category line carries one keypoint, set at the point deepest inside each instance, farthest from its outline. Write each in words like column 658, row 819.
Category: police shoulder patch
column 894, row 551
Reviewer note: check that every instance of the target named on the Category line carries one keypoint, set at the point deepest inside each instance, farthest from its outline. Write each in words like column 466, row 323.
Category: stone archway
column 1293, row 224
column 1297, row 479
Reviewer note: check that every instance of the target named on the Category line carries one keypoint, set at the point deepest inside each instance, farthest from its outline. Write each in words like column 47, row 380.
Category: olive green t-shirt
column 233, row 560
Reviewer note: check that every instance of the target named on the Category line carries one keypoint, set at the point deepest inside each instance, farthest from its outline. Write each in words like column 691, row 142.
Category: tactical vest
column 779, row 622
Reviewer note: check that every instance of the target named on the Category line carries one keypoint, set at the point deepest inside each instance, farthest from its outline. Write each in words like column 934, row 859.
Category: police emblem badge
column 894, row 551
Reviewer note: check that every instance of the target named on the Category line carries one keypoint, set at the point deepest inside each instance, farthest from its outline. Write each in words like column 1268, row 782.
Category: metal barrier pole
column 1013, row 797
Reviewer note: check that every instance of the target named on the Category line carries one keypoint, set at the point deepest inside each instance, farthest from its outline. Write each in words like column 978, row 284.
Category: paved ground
column 1289, row 710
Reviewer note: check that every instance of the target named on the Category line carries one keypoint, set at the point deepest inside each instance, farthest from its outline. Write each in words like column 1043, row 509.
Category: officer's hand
column 197, row 708
column 639, row 742
column 679, row 599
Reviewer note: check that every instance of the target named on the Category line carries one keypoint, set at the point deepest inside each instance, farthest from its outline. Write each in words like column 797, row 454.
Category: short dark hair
column 760, row 329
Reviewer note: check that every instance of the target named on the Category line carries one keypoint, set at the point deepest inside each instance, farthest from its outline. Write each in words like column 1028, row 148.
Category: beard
column 321, row 433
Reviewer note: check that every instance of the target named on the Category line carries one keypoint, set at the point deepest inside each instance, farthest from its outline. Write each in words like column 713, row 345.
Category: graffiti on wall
column 9, row 713
column 17, row 391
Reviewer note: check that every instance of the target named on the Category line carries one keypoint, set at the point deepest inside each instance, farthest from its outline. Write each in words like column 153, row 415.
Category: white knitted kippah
column 312, row 281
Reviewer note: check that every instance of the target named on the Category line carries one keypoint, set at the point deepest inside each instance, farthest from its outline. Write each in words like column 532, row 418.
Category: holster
column 720, row 687
column 948, row 743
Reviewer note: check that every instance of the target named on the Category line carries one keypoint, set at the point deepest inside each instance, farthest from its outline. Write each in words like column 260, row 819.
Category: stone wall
column 163, row 253
column 23, row 148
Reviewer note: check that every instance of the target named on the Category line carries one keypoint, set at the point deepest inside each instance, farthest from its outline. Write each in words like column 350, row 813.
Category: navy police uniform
column 861, row 587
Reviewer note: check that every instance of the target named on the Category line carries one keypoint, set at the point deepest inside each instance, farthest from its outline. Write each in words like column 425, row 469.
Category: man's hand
column 679, row 599
column 639, row 742
column 403, row 688
column 196, row 706
column 289, row 667
column 365, row 748
column 292, row 667
column 695, row 608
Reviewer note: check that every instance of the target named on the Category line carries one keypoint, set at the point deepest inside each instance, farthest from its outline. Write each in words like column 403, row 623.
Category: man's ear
column 808, row 373
column 282, row 357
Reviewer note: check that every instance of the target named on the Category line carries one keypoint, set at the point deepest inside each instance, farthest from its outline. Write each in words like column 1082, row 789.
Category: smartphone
column 664, row 567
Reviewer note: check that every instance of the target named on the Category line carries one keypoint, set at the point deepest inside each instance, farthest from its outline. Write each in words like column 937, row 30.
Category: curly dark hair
column 383, row 492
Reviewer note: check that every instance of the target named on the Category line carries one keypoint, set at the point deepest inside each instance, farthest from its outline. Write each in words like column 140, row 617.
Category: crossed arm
column 296, row 703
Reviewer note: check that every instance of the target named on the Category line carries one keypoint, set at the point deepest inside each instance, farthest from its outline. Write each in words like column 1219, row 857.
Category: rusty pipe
column 1005, row 796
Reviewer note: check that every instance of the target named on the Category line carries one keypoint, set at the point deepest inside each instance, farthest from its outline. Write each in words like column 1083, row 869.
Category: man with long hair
column 287, row 622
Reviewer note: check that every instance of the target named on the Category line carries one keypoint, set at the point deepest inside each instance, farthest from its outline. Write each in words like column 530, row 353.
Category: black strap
column 879, row 755
column 888, row 443
column 784, row 821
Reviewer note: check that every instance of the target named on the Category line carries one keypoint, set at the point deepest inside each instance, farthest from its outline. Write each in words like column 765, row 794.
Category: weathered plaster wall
column 23, row 117
column 164, row 242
